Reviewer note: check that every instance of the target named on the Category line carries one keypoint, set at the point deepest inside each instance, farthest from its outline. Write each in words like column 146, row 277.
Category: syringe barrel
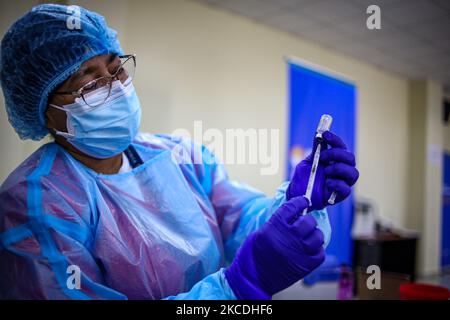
column 324, row 125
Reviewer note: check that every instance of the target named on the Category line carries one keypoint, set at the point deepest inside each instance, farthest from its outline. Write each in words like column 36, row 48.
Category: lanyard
column 133, row 157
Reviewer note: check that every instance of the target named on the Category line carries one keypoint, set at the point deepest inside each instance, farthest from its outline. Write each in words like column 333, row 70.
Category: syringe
column 324, row 125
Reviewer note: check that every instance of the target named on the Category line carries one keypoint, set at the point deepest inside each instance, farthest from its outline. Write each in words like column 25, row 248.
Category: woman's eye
column 90, row 86
column 119, row 71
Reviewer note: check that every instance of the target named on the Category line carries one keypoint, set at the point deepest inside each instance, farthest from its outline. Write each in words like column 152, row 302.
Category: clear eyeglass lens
column 127, row 70
column 124, row 72
column 102, row 96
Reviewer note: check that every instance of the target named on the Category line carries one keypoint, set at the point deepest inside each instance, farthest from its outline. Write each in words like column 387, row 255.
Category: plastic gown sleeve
column 212, row 287
column 240, row 209
column 251, row 216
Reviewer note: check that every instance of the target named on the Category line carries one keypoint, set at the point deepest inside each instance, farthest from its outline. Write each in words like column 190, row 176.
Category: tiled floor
column 328, row 290
column 319, row 291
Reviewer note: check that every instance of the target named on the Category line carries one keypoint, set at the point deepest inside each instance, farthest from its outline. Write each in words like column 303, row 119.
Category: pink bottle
column 345, row 289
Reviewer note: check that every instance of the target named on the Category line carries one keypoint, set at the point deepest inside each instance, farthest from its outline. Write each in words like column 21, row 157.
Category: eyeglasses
column 125, row 71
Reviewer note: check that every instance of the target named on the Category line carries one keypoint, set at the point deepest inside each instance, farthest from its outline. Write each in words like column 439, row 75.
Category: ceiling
column 414, row 39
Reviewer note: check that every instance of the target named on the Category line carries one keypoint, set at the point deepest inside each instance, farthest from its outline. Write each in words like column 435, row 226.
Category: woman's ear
column 49, row 119
column 55, row 119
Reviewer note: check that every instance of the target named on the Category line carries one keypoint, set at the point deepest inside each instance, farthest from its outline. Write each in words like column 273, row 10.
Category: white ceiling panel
column 414, row 40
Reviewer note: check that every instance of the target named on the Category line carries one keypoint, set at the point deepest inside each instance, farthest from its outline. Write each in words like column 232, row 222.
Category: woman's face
column 96, row 67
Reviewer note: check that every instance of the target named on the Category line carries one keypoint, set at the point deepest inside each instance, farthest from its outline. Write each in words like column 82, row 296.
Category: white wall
column 426, row 147
column 447, row 138
column 431, row 230
column 199, row 63
column 446, row 95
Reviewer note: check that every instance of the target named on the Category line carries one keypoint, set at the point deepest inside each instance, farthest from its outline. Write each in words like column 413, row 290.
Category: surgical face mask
column 107, row 129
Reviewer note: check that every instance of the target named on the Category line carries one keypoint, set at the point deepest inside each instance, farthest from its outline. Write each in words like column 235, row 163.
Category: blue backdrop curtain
column 311, row 94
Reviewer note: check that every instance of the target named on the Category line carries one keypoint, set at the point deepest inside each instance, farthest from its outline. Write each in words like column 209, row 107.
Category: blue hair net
column 40, row 51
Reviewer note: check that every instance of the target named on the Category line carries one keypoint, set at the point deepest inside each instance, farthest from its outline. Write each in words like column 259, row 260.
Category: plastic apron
column 162, row 230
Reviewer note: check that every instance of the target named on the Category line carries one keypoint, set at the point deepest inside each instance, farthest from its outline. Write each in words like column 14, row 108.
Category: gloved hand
column 336, row 172
column 284, row 250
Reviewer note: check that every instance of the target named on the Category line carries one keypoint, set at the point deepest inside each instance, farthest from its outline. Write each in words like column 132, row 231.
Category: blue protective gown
column 165, row 229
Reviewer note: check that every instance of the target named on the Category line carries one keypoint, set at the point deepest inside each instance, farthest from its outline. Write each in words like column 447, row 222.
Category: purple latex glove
column 284, row 250
column 336, row 172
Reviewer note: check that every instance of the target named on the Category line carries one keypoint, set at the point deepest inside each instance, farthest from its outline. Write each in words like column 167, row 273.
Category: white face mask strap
column 64, row 134
column 57, row 107
column 61, row 133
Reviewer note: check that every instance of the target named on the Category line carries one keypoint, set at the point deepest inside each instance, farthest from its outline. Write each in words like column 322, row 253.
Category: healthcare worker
column 135, row 215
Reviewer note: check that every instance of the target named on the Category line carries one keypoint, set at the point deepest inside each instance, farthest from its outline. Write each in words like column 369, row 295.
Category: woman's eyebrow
column 112, row 57
column 88, row 70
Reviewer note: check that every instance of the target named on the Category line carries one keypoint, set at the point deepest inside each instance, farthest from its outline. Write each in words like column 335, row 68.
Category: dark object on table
column 390, row 285
column 393, row 253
